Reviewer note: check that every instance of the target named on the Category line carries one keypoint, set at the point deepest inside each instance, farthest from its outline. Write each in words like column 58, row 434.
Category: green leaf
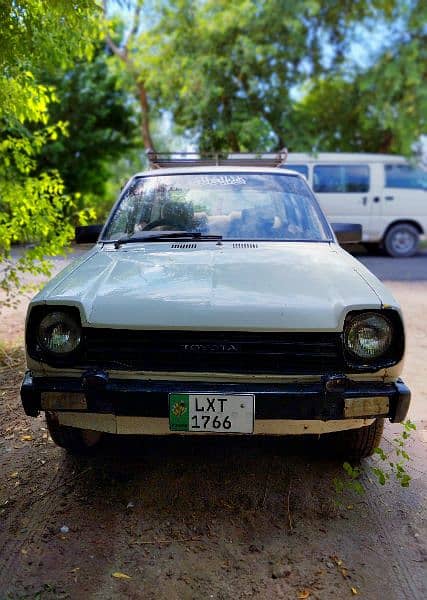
column 381, row 475
column 380, row 453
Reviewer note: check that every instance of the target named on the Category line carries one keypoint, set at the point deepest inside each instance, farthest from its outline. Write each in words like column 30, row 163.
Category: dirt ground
column 199, row 518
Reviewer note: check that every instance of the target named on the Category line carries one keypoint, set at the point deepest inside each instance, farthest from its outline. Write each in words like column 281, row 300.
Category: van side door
column 405, row 194
column 344, row 193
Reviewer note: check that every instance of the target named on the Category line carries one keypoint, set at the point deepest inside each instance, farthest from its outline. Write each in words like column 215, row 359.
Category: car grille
column 226, row 352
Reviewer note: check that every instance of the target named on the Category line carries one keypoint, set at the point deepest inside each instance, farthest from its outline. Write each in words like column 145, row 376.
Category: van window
column 405, row 176
column 303, row 169
column 341, row 178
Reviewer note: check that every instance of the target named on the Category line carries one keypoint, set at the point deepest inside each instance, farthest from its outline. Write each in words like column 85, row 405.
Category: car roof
column 214, row 169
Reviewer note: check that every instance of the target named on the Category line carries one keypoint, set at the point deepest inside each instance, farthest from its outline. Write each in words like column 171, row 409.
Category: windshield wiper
column 164, row 235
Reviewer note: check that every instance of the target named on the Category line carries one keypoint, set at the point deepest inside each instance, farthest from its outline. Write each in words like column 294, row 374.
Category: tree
column 381, row 107
column 230, row 71
column 34, row 36
column 129, row 50
column 261, row 74
column 101, row 124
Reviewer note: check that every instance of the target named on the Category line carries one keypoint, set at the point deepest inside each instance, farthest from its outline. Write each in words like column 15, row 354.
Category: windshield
column 237, row 206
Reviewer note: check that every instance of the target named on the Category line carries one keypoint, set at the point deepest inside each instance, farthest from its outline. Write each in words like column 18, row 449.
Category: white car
column 216, row 300
column 382, row 192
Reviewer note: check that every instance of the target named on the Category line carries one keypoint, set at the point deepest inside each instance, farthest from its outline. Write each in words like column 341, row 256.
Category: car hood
column 264, row 286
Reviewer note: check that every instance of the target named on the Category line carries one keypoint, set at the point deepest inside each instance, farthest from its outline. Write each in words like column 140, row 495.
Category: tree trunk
column 145, row 118
column 122, row 53
column 386, row 143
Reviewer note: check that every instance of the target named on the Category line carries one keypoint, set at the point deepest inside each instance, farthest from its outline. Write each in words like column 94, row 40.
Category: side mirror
column 347, row 233
column 88, row 234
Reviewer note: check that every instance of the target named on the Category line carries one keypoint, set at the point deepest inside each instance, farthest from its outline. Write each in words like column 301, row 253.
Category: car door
column 405, row 194
column 344, row 192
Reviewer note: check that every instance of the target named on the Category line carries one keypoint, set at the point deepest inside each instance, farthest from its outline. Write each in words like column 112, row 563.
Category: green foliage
column 381, row 110
column 31, row 207
column 392, row 465
column 34, row 35
column 351, row 482
column 381, row 107
column 101, row 125
column 45, row 32
column 397, row 465
column 231, row 72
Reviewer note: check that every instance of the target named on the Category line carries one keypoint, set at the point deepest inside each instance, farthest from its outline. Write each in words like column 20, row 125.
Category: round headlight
column 59, row 332
column 368, row 335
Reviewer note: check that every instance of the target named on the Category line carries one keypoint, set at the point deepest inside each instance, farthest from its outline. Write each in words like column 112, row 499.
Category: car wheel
column 73, row 439
column 401, row 240
column 356, row 444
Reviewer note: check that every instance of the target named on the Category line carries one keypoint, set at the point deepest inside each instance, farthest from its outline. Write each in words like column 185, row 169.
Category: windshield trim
column 329, row 235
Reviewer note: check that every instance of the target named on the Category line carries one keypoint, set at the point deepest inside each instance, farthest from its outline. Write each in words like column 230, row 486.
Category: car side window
column 303, row 169
column 341, row 178
column 405, row 176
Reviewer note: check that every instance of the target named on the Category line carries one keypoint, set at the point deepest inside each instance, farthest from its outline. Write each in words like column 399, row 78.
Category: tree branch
column 135, row 24
column 123, row 54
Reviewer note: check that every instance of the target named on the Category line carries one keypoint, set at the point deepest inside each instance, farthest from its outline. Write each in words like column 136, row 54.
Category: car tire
column 401, row 240
column 73, row 439
column 355, row 444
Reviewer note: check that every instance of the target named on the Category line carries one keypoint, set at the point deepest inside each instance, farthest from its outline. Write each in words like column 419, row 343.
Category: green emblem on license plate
column 178, row 412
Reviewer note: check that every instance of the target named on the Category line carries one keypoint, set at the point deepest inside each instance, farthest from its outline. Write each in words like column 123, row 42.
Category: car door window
column 341, row 178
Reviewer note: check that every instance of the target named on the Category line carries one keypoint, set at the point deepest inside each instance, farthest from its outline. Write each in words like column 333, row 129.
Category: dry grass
column 12, row 358
column 12, row 367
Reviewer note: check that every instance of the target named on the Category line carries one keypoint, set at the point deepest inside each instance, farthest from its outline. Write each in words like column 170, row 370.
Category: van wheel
column 73, row 439
column 401, row 240
column 356, row 444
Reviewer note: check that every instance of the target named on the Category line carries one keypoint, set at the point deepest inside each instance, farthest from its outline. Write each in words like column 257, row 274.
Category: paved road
column 396, row 269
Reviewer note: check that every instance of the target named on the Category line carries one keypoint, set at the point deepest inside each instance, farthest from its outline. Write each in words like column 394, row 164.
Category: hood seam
column 370, row 286
column 62, row 279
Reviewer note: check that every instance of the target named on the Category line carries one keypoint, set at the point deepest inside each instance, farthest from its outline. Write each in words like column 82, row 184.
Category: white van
column 384, row 193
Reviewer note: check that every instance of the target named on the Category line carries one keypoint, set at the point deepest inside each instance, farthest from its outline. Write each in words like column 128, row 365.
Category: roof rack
column 160, row 160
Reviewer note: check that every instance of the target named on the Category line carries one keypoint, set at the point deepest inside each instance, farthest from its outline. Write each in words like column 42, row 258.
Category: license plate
column 212, row 413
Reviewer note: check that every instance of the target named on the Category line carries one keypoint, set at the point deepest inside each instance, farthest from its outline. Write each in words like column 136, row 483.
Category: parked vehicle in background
column 384, row 193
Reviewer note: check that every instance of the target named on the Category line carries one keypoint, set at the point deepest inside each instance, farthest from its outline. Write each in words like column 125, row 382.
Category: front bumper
column 333, row 398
